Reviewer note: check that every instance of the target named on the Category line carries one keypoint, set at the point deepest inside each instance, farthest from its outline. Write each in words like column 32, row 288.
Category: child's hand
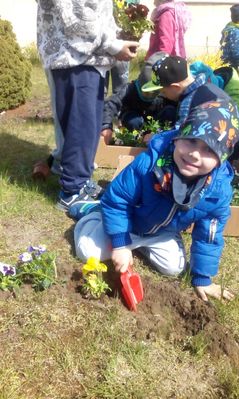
column 122, row 258
column 215, row 291
column 107, row 134
column 128, row 51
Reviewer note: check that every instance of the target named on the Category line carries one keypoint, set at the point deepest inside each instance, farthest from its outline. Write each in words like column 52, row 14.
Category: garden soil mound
column 175, row 313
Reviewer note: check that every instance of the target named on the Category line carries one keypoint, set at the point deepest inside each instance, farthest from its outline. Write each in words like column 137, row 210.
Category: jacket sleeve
column 90, row 22
column 120, row 198
column 166, row 31
column 112, row 107
column 207, row 245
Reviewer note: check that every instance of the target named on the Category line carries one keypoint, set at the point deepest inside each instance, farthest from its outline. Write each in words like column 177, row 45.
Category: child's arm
column 206, row 250
column 118, row 203
column 112, row 107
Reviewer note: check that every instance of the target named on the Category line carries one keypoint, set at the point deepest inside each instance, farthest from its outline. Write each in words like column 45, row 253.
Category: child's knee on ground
column 90, row 238
column 167, row 257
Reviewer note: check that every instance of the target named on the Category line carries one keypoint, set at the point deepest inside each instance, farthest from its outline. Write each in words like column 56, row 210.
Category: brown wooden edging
column 107, row 156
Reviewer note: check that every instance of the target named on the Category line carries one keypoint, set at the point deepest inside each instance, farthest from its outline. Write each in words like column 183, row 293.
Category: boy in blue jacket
column 184, row 178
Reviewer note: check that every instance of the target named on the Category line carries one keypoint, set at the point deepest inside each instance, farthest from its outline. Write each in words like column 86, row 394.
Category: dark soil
column 175, row 313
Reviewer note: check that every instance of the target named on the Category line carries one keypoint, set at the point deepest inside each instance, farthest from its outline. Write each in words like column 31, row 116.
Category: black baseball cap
column 167, row 70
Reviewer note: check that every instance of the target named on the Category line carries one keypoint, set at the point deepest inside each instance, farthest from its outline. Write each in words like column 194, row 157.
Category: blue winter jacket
column 230, row 44
column 132, row 205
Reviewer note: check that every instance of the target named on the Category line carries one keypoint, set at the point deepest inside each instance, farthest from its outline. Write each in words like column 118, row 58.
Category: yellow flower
column 93, row 281
column 119, row 3
column 93, row 264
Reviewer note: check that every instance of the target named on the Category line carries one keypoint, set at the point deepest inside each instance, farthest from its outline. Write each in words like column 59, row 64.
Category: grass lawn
column 57, row 344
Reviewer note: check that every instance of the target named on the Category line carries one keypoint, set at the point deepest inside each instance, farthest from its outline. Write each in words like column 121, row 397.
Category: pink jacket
column 171, row 20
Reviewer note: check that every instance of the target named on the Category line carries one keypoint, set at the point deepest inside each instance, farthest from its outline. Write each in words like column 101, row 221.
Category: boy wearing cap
column 183, row 178
column 171, row 75
column 132, row 107
column 230, row 39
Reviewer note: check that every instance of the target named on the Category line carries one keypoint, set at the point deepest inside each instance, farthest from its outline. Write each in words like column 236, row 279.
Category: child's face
column 171, row 92
column 194, row 158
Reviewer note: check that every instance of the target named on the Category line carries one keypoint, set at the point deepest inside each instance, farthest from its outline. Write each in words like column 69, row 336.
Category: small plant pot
column 41, row 171
column 129, row 36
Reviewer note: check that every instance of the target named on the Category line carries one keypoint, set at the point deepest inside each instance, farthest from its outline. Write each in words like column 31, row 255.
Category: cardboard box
column 107, row 156
column 232, row 226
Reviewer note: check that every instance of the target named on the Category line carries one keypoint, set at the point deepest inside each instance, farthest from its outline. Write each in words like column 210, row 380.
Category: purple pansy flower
column 25, row 257
column 7, row 270
column 37, row 250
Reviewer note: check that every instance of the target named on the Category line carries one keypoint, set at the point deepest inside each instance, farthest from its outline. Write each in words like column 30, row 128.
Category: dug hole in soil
column 174, row 313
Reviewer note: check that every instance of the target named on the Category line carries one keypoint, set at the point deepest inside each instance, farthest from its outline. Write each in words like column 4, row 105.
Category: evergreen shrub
column 15, row 70
column 31, row 54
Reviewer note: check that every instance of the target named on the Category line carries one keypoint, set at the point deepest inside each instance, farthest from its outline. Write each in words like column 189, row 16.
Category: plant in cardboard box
column 138, row 138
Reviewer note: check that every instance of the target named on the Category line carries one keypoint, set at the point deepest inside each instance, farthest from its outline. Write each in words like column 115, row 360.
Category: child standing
column 230, row 39
column 171, row 19
column 183, row 178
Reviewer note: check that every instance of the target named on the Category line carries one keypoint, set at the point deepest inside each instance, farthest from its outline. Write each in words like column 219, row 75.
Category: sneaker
column 78, row 210
column 93, row 189
column 88, row 193
column 66, row 200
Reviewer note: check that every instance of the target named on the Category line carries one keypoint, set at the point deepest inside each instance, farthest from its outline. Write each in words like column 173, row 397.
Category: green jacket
column 232, row 87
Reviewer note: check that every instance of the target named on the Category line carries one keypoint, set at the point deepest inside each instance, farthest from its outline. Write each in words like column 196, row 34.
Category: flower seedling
column 132, row 20
column 94, row 284
column 36, row 266
column 135, row 138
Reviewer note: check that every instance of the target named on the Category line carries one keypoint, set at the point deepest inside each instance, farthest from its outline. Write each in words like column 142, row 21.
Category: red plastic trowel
column 132, row 289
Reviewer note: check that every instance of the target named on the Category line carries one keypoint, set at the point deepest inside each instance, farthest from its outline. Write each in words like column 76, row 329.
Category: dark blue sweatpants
column 79, row 107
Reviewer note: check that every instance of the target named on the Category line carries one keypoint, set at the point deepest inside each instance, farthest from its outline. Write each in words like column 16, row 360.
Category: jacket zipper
column 212, row 230
column 166, row 221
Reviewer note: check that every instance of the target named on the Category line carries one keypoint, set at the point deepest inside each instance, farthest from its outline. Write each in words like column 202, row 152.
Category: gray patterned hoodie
column 74, row 32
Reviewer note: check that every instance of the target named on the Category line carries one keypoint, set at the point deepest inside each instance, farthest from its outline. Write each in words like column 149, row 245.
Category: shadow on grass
column 39, row 119
column 17, row 157
column 69, row 236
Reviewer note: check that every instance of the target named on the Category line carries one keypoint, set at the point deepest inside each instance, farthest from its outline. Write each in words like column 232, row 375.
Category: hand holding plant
column 132, row 20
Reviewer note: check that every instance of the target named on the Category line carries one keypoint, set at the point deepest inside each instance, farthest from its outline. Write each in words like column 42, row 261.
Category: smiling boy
column 184, row 178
